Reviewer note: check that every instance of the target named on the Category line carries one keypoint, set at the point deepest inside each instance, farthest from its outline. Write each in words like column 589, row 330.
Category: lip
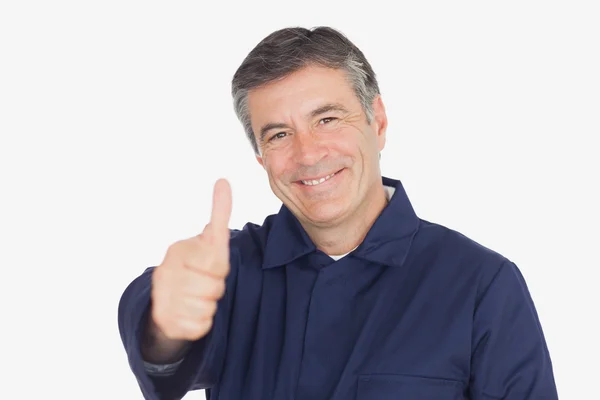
column 323, row 185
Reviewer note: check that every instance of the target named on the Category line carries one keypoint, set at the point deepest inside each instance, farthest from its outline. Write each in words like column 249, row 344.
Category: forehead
column 299, row 93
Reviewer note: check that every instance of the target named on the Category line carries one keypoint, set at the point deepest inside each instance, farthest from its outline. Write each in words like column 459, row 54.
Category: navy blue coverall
column 416, row 311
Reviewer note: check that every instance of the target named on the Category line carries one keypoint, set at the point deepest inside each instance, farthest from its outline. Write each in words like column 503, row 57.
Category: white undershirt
column 389, row 192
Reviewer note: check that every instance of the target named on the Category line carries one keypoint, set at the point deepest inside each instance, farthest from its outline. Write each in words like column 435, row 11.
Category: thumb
column 221, row 210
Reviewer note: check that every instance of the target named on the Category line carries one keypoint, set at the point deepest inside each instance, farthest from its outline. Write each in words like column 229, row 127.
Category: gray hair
column 288, row 50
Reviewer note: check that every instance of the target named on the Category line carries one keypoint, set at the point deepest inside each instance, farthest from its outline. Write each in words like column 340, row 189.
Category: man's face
column 321, row 155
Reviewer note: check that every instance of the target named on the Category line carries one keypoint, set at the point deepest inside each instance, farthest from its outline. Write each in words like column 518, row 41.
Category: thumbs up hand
column 187, row 285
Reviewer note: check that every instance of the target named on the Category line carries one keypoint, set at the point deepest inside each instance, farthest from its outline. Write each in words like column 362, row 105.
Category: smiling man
column 345, row 293
column 321, row 153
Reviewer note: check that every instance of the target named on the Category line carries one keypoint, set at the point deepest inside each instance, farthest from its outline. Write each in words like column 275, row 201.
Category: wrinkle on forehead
column 299, row 93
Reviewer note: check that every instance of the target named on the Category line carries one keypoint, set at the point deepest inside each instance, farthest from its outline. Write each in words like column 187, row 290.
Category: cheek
column 350, row 141
column 275, row 165
column 369, row 142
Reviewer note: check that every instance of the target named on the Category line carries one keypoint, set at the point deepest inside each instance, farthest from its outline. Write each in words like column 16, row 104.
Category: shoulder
column 461, row 246
column 458, row 254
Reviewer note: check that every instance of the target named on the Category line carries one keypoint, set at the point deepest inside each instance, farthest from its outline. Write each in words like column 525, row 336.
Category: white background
column 116, row 119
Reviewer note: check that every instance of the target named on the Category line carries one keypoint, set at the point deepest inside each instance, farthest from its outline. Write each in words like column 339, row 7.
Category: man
column 345, row 293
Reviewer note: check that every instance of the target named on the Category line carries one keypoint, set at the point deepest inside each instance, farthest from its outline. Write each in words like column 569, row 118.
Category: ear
column 260, row 161
column 380, row 121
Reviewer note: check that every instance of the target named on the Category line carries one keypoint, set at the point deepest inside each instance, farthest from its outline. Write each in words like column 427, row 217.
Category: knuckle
column 220, row 269
column 161, row 274
column 157, row 277
column 226, row 267
column 208, row 287
column 174, row 248
column 204, row 326
column 210, row 308
column 193, row 329
column 219, row 288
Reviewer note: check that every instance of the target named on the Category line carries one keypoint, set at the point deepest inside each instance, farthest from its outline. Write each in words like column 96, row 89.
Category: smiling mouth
column 314, row 182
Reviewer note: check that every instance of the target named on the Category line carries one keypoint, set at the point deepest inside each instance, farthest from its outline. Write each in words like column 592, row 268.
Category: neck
column 343, row 237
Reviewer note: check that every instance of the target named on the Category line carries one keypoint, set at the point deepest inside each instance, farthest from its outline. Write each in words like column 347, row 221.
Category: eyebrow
column 314, row 113
column 328, row 108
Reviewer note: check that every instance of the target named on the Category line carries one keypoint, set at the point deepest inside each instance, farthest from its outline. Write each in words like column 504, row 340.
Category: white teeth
column 317, row 181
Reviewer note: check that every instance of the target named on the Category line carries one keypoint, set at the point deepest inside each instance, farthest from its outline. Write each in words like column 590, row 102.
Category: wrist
column 157, row 348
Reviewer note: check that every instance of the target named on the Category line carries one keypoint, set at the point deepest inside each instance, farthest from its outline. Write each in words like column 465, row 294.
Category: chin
column 325, row 213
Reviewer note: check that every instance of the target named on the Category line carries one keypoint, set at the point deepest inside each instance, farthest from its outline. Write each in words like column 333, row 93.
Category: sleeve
column 199, row 369
column 510, row 358
column 161, row 369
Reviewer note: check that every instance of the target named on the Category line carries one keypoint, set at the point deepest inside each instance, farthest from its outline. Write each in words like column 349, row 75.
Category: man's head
column 310, row 105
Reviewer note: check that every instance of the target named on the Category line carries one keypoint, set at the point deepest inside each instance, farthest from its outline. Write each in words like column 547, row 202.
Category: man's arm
column 157, row 348
column 201, row 362
column 162, row 356
column 133, row 314
column 510, row 359
column 184, row 302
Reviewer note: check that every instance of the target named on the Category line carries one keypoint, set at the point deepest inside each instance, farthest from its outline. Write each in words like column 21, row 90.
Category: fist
column 191, row 279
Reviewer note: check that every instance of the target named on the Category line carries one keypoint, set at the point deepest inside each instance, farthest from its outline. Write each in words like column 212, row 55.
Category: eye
column 327, row 120
column 279, row 135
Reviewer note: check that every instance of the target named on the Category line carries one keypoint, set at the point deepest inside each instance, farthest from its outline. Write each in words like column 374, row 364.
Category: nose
column 309, row 150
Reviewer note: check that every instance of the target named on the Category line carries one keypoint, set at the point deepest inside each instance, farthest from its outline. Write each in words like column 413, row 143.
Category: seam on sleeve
column 488, row 287
column 162, row 369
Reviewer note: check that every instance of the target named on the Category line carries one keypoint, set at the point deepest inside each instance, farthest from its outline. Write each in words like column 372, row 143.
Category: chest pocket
column 403, row 387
